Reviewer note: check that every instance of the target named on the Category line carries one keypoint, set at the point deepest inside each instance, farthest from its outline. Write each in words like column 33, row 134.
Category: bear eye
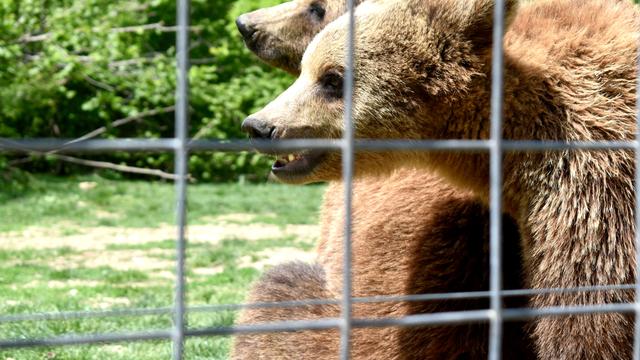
column 331, row 84
column 316, row 10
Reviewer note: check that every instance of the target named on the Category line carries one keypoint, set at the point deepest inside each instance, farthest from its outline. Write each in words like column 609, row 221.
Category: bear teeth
column 285, row 159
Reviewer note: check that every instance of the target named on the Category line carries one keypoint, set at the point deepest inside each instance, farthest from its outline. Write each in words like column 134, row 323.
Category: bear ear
column 478, row 26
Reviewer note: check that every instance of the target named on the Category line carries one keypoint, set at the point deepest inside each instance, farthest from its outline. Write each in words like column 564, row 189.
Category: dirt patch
column 101, row 214
column 59, row 284
column 144, row 260
column 106, row 302
column 208, row 271
column 91, row 247
column 243, row 218
column 87, row 185
column 74, row 283
column 271, row 257
column 98, row 238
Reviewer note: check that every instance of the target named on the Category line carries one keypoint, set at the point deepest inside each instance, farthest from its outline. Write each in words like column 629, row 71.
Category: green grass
column 70, row 277
column 53, row 200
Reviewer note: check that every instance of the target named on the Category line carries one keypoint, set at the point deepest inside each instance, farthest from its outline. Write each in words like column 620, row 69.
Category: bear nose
column 257, row 129
column 244, row 26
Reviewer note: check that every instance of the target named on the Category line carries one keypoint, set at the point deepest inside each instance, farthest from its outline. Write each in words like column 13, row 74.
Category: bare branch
column 100, row 131
column 116, row 167
column 120, row 122
column 29, row 38
column 121, row 63
column 204, row 130
column 129, row 62
column 104, row 165
column 159, row 26
column 99, row 84
column 202, row 61
column 20, row 161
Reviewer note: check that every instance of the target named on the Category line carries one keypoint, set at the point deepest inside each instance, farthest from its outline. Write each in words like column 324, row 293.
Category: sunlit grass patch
column 90, row 244
column 51, row 201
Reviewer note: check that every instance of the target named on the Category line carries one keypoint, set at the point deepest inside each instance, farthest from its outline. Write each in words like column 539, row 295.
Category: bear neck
column 468, row 116
column 534, row 108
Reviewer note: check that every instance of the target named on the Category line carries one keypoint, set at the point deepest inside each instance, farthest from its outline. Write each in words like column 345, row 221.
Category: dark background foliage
column 68, row 67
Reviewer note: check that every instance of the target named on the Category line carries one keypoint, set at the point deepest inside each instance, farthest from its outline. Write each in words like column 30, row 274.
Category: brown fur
column 283, row 32
column 435, row 242
column 423, row 72
column 393, row 255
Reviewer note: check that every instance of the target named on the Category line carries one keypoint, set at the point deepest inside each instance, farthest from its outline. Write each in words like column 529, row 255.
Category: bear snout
column 245, row 27
column 258, row 129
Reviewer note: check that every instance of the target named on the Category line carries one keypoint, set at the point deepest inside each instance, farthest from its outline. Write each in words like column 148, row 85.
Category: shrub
column 68, row 67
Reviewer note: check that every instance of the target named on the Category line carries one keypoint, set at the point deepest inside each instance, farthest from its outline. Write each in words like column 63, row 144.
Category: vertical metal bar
column 347, row 178
column 181, row 153
column 495, row 192
column 636, row 337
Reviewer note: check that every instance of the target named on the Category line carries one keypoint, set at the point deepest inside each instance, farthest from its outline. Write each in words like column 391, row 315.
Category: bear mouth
column 296, row 165
column 256, row 43
column 272, row 51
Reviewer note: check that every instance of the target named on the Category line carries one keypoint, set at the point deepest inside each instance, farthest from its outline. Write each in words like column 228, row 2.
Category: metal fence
column 181, row 145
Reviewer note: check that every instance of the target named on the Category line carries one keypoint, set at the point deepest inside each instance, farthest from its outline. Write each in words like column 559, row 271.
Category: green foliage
column 68, row 67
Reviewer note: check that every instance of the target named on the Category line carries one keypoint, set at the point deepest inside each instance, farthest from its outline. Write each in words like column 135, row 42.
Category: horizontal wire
column 72, row 315
column 86, row 339
column 94, row 145
column 161, row 145
column 442, row 318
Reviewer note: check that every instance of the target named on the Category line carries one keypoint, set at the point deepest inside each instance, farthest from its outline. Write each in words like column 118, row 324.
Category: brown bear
column 392, row 255
column 436, row 240
column 423, row 72
column 280, row 34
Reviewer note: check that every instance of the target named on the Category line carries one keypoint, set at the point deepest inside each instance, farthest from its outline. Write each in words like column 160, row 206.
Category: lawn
column 94, row 244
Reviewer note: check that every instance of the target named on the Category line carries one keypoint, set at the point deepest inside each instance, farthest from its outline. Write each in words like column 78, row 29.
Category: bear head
column 414, row 61
column 279, row 34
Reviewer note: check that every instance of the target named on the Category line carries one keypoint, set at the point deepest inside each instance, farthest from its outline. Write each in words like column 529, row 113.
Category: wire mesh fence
column 181, row 145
